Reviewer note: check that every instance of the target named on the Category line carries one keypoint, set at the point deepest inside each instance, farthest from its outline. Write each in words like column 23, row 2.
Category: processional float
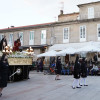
column 19, row 62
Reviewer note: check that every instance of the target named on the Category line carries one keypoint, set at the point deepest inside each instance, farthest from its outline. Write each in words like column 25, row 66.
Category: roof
column 70, row 14
column 25, row 27
column 88, row 3
column 44, row 25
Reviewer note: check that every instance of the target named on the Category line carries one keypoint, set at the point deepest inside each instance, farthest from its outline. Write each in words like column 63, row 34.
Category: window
column 82, row 33
column 11, row 39
column 31, row 38
column 65, row 35
column 43, row 37
column 90, row 12
column 21, row 37
column 1, row 36
column 98, row 31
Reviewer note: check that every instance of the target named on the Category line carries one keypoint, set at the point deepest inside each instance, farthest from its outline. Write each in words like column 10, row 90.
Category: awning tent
column 78, row 46
column 88, row 48
column 68, row 50
column 49, row 54
column 71, row 48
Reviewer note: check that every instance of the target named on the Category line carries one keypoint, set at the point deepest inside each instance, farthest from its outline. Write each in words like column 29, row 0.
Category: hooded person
column 58, row 68
column 83, row 73
column 4, row 69
column 77, row 69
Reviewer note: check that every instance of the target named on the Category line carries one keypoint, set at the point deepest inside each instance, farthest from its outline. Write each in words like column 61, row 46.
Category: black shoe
column 0, row 94
column 58, row 79
column 85, row 85
column 81, row 85
column 78, row 87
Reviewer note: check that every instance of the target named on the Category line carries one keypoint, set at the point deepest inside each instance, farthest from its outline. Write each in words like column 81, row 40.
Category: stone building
column 77, row 27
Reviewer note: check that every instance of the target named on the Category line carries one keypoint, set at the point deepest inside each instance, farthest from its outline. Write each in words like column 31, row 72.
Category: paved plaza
column 45, row 87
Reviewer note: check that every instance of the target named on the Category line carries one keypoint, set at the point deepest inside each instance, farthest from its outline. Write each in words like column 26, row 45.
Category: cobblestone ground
column 45, row 87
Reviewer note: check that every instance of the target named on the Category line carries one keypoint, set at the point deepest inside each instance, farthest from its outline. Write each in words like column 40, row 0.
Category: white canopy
column 49, row 53
column 58, row 47
column 68, row 50
column 89, row 48
column 71, row 48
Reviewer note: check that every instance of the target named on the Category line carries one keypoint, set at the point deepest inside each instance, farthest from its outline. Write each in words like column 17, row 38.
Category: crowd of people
column 80, row 69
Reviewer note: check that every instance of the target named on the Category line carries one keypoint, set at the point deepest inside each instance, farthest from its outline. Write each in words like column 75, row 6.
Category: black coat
column 77, row 70
column 95, row 58
column 4, row 68
column 83, row 70
column 58, row 67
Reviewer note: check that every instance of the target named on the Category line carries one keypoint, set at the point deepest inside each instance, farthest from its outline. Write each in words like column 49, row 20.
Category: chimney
column 61, row 12
column 61, row 8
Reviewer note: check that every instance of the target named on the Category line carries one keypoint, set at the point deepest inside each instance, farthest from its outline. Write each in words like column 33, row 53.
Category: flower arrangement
column 24, row 54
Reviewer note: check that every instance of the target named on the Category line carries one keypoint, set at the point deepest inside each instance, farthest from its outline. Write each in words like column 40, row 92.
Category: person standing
column 41, row 65
column 52, row 67
column 83, row 72
column 76, row 74
column 58, row 68
column 4, row 68
column 95, row 58
column 37, row 63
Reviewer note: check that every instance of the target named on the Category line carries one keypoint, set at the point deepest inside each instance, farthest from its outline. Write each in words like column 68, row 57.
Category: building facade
column 79, row 27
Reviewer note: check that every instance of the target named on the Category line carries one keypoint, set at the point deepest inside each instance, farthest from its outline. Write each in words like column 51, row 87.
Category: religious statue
column 3, row 43
column 17, row 44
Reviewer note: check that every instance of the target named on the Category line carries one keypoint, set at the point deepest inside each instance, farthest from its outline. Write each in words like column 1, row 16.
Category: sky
column 29, row 12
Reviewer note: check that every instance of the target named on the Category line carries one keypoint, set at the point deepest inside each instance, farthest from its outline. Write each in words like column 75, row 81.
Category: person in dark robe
column 58, row 68
column 77, row 70
column 83, row 73
column 41, row 65
column 4, row 70
column 37, row 64
column 95, row 58
column 3, row 43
